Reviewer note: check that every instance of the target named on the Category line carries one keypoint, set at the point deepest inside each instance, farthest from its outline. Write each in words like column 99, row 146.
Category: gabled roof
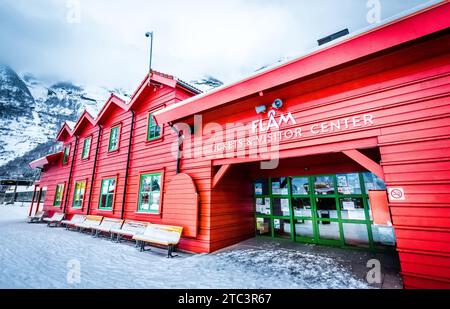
column 41, row 162
column 64, row 132
column 112, row 101
column 86, row 117
column 416, row 25
column 115, row 101
column 163, row 79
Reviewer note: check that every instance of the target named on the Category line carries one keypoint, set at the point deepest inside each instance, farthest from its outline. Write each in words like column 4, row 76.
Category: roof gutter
column 127, row 169
column 100, row 129
column 66, row 199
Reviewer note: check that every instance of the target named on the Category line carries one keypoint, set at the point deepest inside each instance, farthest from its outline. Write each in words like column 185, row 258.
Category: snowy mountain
column 31, row 113
column 207, row 83
column 33, row 110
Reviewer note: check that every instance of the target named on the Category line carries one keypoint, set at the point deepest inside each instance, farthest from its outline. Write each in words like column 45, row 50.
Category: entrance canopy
column 41, row 162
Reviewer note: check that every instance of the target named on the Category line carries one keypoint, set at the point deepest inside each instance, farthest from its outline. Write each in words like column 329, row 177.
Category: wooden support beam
column 365, row 162
column 219, row 175
column 38, row 201
column 32, row 201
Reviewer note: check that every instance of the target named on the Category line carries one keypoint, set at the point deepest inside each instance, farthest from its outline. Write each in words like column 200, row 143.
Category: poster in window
column 284, row 205
column 276, row 188
column 260, row 224
column 348, row 205
column 353, row 180
column 277, row 224
column 258, row 189
column 342, row 181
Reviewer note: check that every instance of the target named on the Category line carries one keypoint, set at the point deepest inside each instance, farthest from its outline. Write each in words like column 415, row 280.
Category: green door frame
column 312, row 196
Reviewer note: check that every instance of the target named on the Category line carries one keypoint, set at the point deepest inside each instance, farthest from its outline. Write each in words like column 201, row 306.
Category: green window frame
column 114, row 134
column 86, row 148
column 107, row 190
column 66, row 154
column 150, row 193
column 153, row 129
column 78, row 195
column 58, row 195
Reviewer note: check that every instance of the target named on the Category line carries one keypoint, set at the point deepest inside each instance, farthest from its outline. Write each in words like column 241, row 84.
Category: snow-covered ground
column 35, row 256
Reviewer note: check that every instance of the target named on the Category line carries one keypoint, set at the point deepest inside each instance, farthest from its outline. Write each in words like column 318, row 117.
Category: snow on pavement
column 35, row 256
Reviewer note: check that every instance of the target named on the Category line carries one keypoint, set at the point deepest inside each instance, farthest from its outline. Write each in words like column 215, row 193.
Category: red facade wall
column 57, row 173
column 82, row 170
column 406, row 91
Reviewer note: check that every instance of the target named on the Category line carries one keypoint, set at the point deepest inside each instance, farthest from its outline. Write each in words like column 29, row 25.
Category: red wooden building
column 348, row 146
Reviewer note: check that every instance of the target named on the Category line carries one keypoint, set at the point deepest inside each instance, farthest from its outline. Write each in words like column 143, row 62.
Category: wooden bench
column 107, row 225
column 90, row 223
column 76, row 219
column 130, row 229
column 163, row 235
column 38, row 217
column 54, row 220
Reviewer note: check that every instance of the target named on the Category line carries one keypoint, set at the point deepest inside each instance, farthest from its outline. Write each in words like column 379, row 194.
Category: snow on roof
column 91, row 110
column 71, row 124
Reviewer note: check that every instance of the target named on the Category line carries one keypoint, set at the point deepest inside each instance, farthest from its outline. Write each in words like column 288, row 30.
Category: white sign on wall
column 396, row 194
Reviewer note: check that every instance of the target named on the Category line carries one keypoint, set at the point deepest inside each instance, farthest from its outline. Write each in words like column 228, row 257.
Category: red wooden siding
column 405, row 88
column 112, row 164
column 82, row 170
column 181, row 204
column 409, row 101
column 57, row 173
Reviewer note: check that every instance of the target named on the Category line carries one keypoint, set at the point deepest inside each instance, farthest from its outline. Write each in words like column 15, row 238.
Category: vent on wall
column 333, row 37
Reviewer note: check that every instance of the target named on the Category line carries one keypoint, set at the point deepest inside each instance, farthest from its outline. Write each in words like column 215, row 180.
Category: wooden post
column 39, row 200
column 32, row 201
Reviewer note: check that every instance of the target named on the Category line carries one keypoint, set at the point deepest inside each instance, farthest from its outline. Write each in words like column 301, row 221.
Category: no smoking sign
column 396, row 194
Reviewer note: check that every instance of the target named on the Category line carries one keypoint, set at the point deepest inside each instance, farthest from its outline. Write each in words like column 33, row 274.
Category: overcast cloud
column 227, row 39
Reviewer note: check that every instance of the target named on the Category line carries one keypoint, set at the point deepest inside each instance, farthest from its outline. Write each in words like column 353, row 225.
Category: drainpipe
column 93, row 168
column 127, row 170
column 70, row 174
column 180, row 143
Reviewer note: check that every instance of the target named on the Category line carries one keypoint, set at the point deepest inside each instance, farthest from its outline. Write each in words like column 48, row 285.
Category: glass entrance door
column 324, row 209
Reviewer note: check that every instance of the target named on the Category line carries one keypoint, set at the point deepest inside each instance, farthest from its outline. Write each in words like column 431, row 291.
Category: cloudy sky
column 102, row 42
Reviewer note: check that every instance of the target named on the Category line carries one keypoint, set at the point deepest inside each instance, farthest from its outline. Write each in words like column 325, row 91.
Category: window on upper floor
column 114, row 139
column 153, row 130
column 66, row 154
column 86, row 148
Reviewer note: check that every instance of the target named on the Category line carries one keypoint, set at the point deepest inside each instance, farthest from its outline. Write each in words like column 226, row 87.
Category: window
column 149, row 193
column 86, row 148
column 66, row 154
column 58, row 195
column 280, row 186
column 324, row 185
column 154, row 131
column 114, row 139
column 300, row 186
column 348, row 184
column 372, row 182
column 107, row 194
column 78, row 196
